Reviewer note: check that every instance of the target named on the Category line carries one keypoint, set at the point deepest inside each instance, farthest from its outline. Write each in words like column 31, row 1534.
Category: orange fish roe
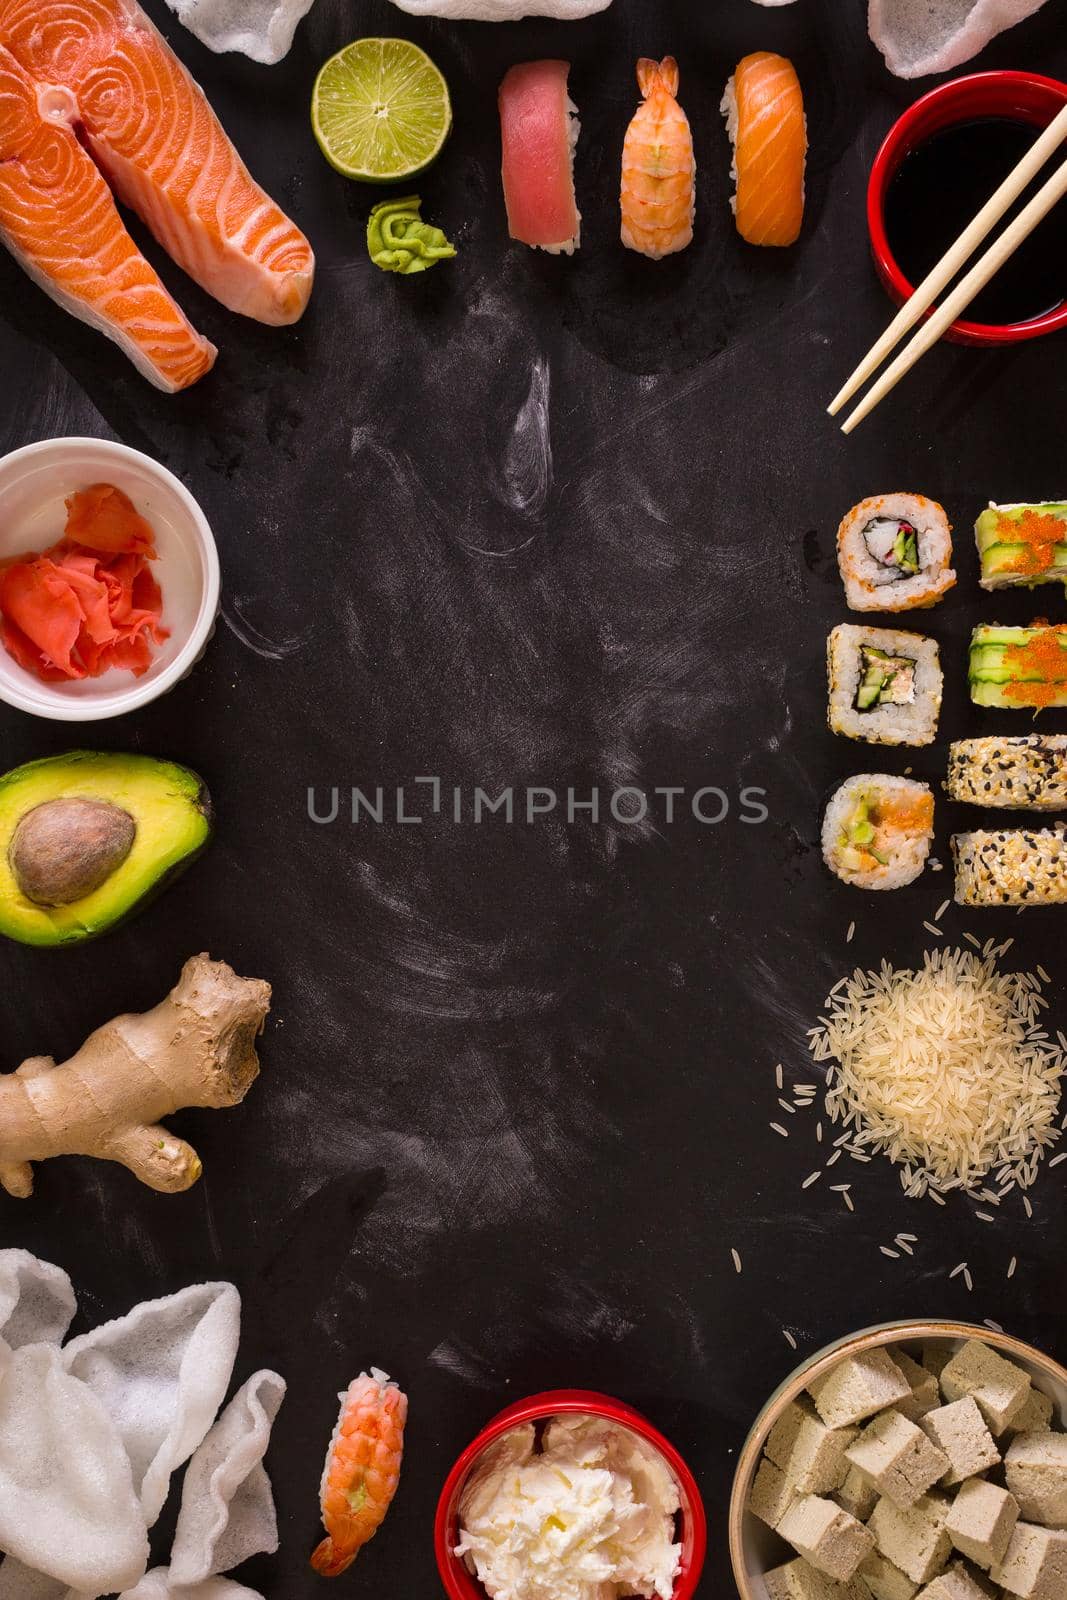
column 1045, row 655
column 1038, row 534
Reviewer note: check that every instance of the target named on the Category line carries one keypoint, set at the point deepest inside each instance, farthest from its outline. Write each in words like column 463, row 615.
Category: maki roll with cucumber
column 895, row 553
column 1027, row 774
column 885, row 686
column 1023, row 545
column 1019, row 668
column 1017, row 868
column 877, row 830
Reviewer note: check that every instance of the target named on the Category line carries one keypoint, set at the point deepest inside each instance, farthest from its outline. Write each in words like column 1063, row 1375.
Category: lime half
column 380, row 110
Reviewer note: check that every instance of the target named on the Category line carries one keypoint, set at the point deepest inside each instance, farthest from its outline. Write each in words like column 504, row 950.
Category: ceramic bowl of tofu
column 34, row 484
column 691, row 1530
column 755, row 1547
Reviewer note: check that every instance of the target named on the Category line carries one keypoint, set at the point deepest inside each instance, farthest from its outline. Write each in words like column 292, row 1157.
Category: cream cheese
column 587, row 1516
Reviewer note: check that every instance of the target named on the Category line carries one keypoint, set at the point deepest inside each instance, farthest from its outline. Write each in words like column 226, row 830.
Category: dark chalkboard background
column 534, row 522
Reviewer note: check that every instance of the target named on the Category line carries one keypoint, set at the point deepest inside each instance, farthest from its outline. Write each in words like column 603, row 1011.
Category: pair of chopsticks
column 968, row 287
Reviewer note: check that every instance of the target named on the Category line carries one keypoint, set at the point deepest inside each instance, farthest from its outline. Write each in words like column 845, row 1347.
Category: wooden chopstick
column 946, row 269
column 984, row 269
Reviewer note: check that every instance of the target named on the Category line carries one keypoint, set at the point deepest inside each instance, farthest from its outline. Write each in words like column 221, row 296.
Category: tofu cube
column 858, row 1387
column 811, row 1455
column 1035, row 1566
column 1035, row 1416
column 936, row 1357
column 913, row 1538
column 981, row 1521
column 857, row 1495
column 885, row 1581
column 959, row 1430
column 824, row 1534
column 1036, row 1471
column 1000, row 1387
column 772, row 1494
column 799, row 1581
column 897, row 1458
column 782, row 1438
column 955, row 1583
column 925, row 1390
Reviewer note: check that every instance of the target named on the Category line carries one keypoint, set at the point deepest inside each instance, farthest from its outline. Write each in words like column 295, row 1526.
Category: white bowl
column 755, row 1548
column 34, row 482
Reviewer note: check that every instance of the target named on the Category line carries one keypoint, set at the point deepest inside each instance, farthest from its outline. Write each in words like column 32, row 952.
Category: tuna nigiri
column 764, row 111
column 658, row 167
column 539, row 130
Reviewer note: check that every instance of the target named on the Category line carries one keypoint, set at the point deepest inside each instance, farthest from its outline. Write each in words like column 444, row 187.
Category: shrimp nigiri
column 764, row 110
column 658, row 167
column 362, row 1469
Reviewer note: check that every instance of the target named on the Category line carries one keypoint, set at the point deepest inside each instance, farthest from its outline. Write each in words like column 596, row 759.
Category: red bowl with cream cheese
column 461, row 1584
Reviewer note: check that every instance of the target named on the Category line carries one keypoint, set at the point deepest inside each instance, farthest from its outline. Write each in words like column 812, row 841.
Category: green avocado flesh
column 858, row 837
column 51, row 813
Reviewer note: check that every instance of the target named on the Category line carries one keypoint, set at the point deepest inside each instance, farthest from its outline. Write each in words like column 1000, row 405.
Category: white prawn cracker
column 20, row 1583
column 918, row 37
column 227, row 1511
column 72, row 1514
column 161, row 1373
column 159, row 1585
column 261, row 29
column 37, row 1303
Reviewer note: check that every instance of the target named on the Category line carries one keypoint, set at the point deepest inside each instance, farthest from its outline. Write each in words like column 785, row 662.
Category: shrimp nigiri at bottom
column 658, row 167
column 362, row 1469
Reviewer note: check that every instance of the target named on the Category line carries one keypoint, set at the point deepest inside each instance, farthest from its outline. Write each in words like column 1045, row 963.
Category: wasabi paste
column 399, row 240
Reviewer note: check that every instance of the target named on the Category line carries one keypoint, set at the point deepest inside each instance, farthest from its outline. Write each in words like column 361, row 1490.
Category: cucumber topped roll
column 885, row 686
column 877, row 830
column 1025, row 774
column 1019, row 668
column 894, row 552
column 1023, row 545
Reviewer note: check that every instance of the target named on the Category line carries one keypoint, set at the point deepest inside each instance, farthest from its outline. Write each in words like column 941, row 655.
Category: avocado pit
column 63, row 850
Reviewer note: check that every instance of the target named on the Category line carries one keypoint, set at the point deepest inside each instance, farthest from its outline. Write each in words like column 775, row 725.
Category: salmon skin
column 539, row 132
column 90, row 91
column 764, row 110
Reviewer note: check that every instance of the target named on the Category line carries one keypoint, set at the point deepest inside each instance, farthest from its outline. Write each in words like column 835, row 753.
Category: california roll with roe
column 877, row 830
column 895, row 553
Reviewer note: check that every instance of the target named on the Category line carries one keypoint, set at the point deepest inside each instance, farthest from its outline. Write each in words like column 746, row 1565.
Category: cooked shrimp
column 362, row 1469
column 658, row 167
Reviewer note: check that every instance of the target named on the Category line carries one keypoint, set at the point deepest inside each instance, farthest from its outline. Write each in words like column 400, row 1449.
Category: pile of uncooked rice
column 947, row 1071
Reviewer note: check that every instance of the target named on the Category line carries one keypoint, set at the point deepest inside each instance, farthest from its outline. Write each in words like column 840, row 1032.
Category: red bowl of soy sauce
column 939, row 164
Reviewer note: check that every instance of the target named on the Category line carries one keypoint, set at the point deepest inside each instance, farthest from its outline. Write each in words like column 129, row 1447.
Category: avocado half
column 71, row 865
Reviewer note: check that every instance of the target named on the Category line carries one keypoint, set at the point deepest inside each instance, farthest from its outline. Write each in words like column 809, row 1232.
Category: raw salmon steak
column 90, row 91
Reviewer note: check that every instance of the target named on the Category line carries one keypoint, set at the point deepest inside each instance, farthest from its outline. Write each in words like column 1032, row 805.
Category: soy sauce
column 938, row 190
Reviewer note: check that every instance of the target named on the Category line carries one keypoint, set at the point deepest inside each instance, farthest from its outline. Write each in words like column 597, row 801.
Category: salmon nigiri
column 764, row 111
column 658, row 167
column 539, row 132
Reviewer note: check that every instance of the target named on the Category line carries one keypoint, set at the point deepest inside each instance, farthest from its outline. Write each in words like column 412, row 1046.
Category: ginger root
column 196, row 1048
